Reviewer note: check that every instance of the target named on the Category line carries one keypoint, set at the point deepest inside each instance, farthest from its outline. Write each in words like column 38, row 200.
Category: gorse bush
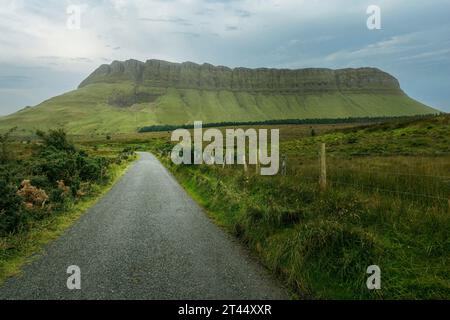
column 56, row 175
column 56, row 165
column 5, row 150
column 31, row 195
column 56, row 139
column 12, row 213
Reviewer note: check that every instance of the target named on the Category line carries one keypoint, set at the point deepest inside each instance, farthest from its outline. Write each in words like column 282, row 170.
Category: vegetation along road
column 146, row 239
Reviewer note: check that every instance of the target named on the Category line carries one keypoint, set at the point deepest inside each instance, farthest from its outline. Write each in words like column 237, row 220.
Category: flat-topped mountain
column 123, row 96
column 157, row 73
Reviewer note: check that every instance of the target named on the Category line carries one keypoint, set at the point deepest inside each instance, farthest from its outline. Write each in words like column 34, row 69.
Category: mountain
column 124, row 96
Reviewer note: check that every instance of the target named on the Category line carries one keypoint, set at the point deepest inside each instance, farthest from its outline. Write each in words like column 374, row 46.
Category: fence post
column 245, row 162
column 323, row 168
column 257, row 161
column 284, row 165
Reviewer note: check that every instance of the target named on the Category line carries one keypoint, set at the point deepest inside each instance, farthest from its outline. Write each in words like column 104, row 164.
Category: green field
column 386, row 203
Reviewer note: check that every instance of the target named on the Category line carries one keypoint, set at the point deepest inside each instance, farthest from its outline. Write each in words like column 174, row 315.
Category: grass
column 86, row 111
column 386, row 204
column 20, row 248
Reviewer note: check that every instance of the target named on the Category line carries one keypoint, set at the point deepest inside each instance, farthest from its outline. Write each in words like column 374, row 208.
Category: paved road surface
column 146, row 239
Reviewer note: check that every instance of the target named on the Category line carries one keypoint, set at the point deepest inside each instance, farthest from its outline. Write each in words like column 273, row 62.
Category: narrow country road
column 146, row 239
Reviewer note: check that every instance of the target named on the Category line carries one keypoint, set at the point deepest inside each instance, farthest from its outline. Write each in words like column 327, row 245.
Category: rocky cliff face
column 158, row 73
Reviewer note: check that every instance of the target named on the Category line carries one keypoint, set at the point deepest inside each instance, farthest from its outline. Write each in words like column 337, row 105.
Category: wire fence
column 420, row 178
column 424, row 176
column 378, row 189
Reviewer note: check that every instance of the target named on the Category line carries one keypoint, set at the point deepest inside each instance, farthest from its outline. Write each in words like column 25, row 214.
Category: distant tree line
column 164, row 127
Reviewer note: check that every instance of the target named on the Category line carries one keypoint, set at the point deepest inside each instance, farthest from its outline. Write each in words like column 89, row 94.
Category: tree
column 56, row 139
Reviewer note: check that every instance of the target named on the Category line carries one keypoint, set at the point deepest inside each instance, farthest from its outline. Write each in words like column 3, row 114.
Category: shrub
column 56, row 139
column 11, row 209
column 61, row 194
column 31, row 195
column 90, row 168
column 5, row 152
column 56, row 165
column 56, row 175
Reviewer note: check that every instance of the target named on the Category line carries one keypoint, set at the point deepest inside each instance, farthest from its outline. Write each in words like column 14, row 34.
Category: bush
column 11, row 208
column 56, row 175
column 5, row 152
column 31, row 195
column 69, row 166
column 56, row 165
column 56, row 139
column 90, row 168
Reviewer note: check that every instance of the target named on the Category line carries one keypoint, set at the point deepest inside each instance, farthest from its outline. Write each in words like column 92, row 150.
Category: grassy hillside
column 86, row 110
column 386, row 203
column 126, row 96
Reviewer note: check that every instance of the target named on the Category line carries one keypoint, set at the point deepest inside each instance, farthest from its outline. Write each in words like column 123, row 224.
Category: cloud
column 243, row 13
column 178, row 21
column 231, row 28
column 414, row 40
column 13, row 81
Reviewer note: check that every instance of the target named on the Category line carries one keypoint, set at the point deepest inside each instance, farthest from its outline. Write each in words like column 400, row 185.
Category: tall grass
column 424, row 180
column 322, row 242
column 386, row 204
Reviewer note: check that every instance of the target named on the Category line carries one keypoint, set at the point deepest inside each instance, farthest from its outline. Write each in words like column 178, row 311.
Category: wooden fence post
column 245, row 163
column 323, row 168
column 258, row 157
column 283, row 165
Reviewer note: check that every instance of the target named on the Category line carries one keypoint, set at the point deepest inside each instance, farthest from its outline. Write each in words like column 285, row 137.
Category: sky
column 49, row 47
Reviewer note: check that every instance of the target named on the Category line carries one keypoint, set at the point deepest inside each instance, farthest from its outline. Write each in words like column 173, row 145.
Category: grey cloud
column 231, row 28
column 243, row 13
column 190, row 34
column 205, row 11
column 293, row 34
column 177, row 21
column 82, row 59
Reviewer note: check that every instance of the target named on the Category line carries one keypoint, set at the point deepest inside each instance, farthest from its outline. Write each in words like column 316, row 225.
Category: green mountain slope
column 124, row 96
